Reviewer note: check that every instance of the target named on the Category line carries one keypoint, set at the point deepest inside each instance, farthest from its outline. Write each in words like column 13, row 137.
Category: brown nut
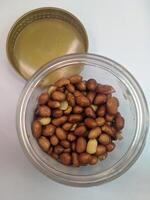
column 73, row 146
column 93, row 160
column 112, row 105
column 60, row 133
column 91, row 146
column 119, row 122
column 71, row 99
column 63, row 105
column 54, row 140
column 100, row 121
column 70, row 88
column 75, row 160
column 43, row 98
column 73, row 118
column 104, row 139
column 58, row 96
column 44, row 111
column 36, row 129
column 94, row 133
column 67, row 126
column 65, row 158
column 58, row 149
column 84, row 158
column 77, row 109
column 65, row 143
column 109, row 118
column 101, row 111
column 81, row 86
column 51, row 89
column 44, row 143
column 49, row 130
column 90, row 123
column 104, row 89
column 53, row 104
column 107, row 129
column 71, row 137
column 100, row 99
column 59, row 121
column 68, row 150
column 80, row 130
column 80, row 145
column 110, row 147
column 68, row 110
column 82, row 101
column 57, row 113
column 90, row 112
column 62, row 82
column 75, row 79
column 101, row 149
column 91, row 96
column 91, row 84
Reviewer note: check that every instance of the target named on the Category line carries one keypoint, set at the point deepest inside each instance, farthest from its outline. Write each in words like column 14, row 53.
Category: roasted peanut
column 107, row 129
column 81, row 86
column 101, row 111
column 44, row 143
column 68, row 110
column 100, row 121
column 77, row 109
column 43, row 98
column 59, row 121
column 119, row 122
column 58, row 149
column 73, row 118
column 65, row 158
column 84, row 158
column 36, row 129
column 75, row 160
column 93, row 160
column 67, row 126
column 62, row 82
column 71, row 137
column 100, row 99
column 53, row 104
column 54, row 140
column 45, row 120
column 91, row 96
column 80, row 130
column 70, row 88
column 104, row 139
column 51, row 89
column 80, row 145
column 58, row 96
column 91, row 146
column 63, row 105
column 60, row 133
column 94, row 133
column 110, row 147
column 100, row 150
column 44, row 111
column 49, row 130
column 75, row 79
column 82, row 101
column 91, row 84
column 104, row 89
column 90, row 112
column 71, row 99
column 112, row 105
column 65, row 143
column 57, row 113
column 90, row 123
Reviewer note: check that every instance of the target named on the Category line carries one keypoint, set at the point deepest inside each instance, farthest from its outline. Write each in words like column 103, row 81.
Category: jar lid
column 42, row 35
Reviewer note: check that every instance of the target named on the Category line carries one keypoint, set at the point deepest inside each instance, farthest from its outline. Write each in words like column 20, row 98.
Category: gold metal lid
column 42, row 35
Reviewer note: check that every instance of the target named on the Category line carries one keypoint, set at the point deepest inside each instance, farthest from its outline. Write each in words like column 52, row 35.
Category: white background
column 119, row 29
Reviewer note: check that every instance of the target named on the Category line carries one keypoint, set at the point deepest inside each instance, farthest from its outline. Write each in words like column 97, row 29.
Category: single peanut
column 63, row 105
column 58, row 96
column 45, row 121
column 81, row 86
column 71, row 99
column 51, row 89
column 67, row 126
column 58, row 149
column 82, row 101
column 80, row 145
column 119, row 122
column 77, row 109
column 91, row 95
column 91, row 146
column 80, row 130
column 100, row 150
column 84, row 158
column 75, row 79
column 70, row 88
column 71, row 137
column 90, row 112
column 44, row 111
column 100, row 121
column 68, row 110
column 112, row 105
column 94, row 133
column 104, row 89
column 44, row 143
column 54, row 140
column 36, row 129
column 75, row 160
column 53, row 104
column 101, row 111
column 93, row 160
column 62, row 82
column 100, row 99
column 73, row 118
column 49, row 130
column 59, row 121
column 65, row 158
column 65, row 144
column 91, row 84
column 57, row 113
column 60, row 133
column 104, row 139
column 43, row 98
column 90, row 123
column 110, row 147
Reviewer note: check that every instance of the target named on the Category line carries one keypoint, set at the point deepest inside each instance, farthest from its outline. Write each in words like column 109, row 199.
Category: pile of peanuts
column 76, row 121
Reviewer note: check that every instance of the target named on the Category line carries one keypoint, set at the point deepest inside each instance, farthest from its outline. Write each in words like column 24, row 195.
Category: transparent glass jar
column 133, row 107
